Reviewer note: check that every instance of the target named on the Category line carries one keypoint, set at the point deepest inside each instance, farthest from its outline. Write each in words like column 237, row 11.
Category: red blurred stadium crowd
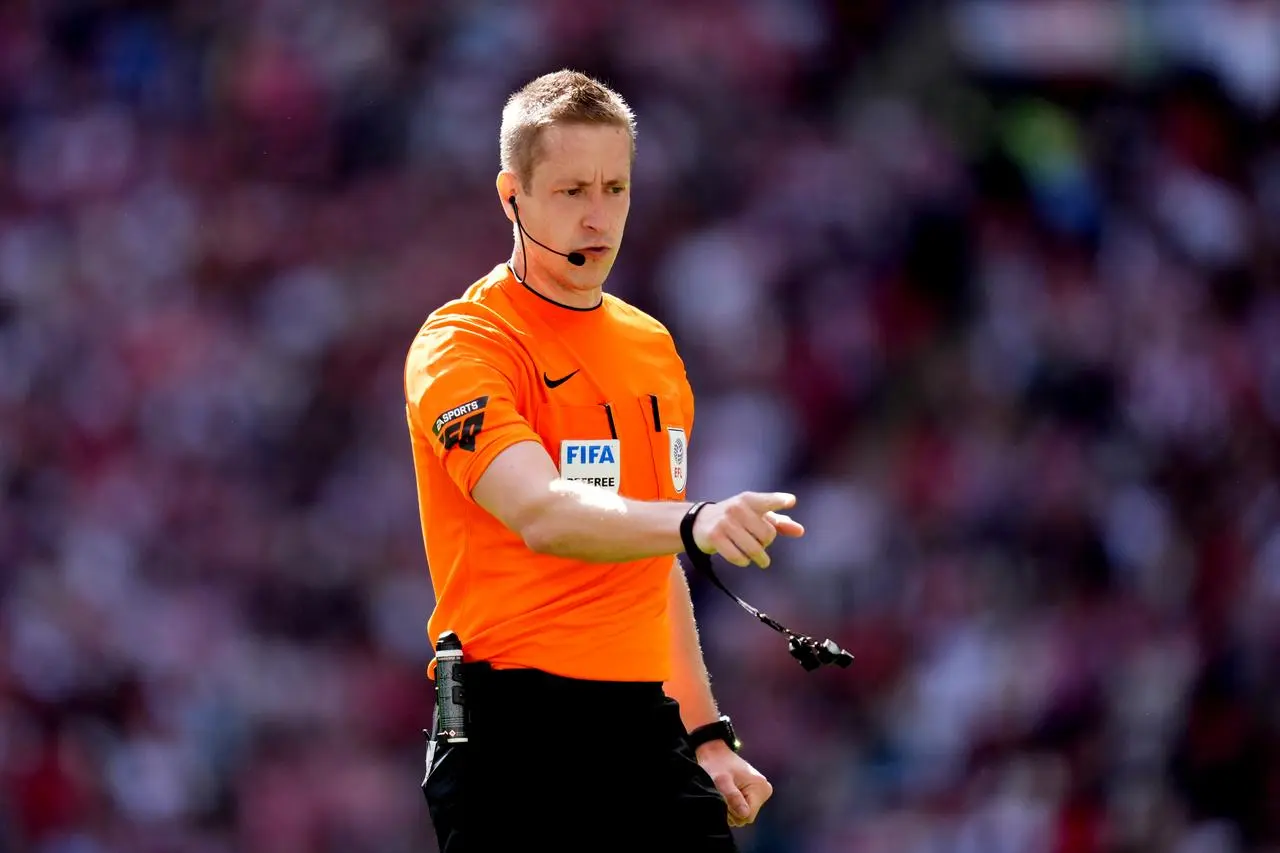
column 992, row 289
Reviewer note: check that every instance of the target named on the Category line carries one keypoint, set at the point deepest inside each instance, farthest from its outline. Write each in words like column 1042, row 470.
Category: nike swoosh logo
column 556, row 383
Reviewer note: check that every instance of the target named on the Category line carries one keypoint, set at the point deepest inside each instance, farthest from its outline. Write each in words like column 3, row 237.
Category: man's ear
column 508, row 185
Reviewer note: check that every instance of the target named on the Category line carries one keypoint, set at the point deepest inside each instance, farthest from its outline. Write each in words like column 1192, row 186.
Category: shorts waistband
column 481, row 680
column 505, row 703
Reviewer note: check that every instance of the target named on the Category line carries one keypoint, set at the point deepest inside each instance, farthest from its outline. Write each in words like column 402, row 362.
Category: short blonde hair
column 561, row 97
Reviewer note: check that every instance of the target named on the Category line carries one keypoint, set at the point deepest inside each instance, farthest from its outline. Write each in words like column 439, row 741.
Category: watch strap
column 721, row 729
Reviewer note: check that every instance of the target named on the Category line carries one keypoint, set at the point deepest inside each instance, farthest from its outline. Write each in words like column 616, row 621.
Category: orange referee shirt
column 604, row 391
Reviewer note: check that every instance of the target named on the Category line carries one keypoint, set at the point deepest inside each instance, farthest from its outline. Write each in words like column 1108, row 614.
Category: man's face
column 577, row 200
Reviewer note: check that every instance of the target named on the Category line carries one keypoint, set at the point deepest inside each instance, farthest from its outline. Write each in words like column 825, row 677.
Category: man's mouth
column 596, row 252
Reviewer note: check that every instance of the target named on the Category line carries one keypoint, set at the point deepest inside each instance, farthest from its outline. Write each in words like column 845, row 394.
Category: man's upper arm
column 516, row 485
column 462, row 387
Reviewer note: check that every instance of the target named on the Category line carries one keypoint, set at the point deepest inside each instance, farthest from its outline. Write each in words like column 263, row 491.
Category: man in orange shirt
column 551, row 425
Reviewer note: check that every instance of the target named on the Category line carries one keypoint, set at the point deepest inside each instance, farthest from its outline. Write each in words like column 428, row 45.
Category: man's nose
column 594, row 218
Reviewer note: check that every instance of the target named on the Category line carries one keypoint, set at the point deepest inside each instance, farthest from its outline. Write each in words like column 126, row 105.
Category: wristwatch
column 721, row 729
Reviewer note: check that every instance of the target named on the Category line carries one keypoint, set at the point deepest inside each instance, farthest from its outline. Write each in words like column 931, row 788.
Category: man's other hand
column 744, row 788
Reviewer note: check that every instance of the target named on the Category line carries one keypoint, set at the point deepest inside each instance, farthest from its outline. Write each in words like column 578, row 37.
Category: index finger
column 756, row 793
column 768, row 501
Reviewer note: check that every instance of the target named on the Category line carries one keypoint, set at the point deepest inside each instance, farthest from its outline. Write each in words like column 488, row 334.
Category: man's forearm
column 589, row 523
column 689, row 685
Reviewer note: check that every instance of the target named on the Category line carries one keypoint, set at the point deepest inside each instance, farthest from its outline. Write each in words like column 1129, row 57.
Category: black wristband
column 686, row 528
column 721, row 729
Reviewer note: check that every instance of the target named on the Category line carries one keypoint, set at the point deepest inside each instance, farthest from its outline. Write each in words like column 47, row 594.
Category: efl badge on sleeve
column 679, row 457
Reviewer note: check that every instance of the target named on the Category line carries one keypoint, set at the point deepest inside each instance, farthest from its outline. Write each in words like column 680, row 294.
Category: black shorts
column 563, row 764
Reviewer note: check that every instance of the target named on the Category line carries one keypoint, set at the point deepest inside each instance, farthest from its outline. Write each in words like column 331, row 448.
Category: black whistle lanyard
column 809, row 652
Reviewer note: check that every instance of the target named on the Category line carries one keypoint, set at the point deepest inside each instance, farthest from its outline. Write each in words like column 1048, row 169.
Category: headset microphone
column 575, row 258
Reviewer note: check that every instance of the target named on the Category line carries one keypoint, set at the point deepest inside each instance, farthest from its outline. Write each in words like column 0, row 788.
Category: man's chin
column 589, row 277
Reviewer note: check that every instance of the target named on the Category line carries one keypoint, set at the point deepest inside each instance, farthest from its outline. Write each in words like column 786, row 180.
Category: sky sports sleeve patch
column 459, row 426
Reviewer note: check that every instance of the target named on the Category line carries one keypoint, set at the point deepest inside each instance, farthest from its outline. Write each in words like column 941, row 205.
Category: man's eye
column 618, row 190
column 573, row 191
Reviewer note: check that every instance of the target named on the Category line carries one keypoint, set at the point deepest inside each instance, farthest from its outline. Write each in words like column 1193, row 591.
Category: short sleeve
column 461, row 389
column 688, row 408
column 686, row 391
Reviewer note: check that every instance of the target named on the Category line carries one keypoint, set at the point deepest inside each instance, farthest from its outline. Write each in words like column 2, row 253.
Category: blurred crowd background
column 992, row 286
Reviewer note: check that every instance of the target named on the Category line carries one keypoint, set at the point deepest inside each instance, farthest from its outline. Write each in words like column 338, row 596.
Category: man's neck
column 548, row 288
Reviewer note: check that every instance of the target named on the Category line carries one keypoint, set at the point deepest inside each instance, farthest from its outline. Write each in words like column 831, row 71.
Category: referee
column 550, row 425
